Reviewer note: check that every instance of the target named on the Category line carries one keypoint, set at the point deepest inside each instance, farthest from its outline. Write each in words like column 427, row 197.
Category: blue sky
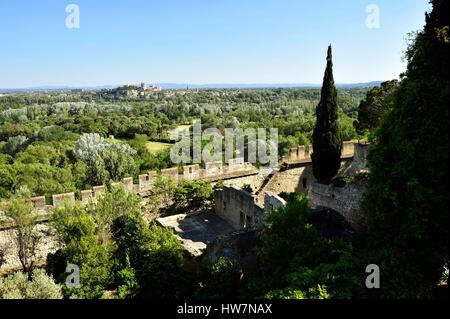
column 202, row 41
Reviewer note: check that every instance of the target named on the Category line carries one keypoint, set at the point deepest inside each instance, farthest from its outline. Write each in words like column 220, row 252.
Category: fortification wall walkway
column 213, row 172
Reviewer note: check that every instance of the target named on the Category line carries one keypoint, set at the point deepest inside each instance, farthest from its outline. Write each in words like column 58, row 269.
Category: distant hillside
column 178, row 86
column 183, row 86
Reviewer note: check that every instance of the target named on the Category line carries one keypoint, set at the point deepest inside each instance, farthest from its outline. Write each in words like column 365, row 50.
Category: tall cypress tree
column 327, row 141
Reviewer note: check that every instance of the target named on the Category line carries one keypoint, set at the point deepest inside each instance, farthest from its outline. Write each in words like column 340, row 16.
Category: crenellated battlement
column 60, row 199
column 303, row 153
column 213, row 171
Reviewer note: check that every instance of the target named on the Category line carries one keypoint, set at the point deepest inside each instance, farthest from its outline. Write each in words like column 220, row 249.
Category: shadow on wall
column 331, row 224
column 293, row 179
column 241, row 209
column 240, row 246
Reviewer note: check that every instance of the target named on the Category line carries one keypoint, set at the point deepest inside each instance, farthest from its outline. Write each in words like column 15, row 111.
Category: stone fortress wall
column 303, row 153
column 297, row 176
column 346, row 199
column 213, row 172
column 242, row 209
column 235, row 173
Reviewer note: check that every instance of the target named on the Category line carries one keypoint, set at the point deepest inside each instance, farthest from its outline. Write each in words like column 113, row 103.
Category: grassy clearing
column 183, row 127
column 156, row 147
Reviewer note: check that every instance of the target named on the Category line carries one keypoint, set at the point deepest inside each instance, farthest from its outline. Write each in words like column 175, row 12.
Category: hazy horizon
column 173, row 85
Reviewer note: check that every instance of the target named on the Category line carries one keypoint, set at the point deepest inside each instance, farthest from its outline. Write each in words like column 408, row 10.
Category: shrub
column 41, row 286
column 342, row 181
column 219, row 280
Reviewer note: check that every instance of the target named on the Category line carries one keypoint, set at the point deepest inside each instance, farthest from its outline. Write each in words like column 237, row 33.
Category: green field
column 183, row 127
column 156, row 147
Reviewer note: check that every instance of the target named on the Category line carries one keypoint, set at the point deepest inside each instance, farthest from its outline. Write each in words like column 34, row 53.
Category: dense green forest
column 42, row 142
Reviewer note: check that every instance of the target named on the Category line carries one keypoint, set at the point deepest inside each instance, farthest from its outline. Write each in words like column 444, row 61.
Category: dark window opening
column 305, row 183
column 248, row 222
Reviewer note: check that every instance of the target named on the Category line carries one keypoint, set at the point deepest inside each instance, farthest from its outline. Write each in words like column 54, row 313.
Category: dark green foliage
column 298, row 263
column 94, row 259
column 130, row 233
column 56, row 265
column 53, row 133
column 117, row 252
column 378, row 101
column 45, row 168
column 7, row 180
column 37, row 285
column 327, row 141
column 407, row 199
column 219, row 280
column 342, row 279
column 77, row 232
column 127, row 283
column 149, row 261
column 190, row 195
column 341, row 181
column 15, row 144
column 289, row 234
column 25, row 234
column 161, row 273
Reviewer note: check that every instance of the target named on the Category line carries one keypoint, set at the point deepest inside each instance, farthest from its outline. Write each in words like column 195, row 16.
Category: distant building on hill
column 149, row 88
